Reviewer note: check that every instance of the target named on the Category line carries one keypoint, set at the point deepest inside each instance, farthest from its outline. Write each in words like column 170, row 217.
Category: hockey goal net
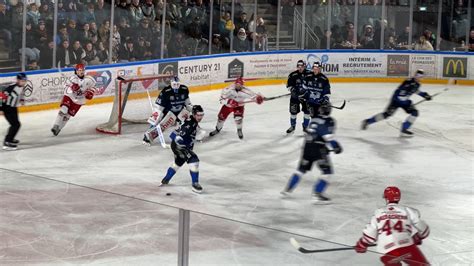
column 124, row 111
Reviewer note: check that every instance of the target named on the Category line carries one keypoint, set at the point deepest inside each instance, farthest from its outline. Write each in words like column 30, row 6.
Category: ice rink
column 88, row 198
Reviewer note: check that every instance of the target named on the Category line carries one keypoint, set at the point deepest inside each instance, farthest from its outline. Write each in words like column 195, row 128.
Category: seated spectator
column 102, row 53
column 196, row 46
column 143, row 51
column 32, row 53
column 471, row 41
column 91, row 55
column 116, row 41
column 62, row 13
column 64, row 56
column 62, row 35
column 124, row 30
column 127, row 52
column 42, row 35
column 104, row 31
column 72, row 31
column 77, row 53
column 216, row 45
column 390, row 44
column 173, row 15
column 242, row 23
column 241, row 43
column 226, row 27
column 194, row 28
column 423, row 45
column 404, row 36
column 46, row 56
column 148, row 10
column 5, row 23
column 136, row 13
column 32, row 65
column 155, row 44
column 185, row 13
column 121, row 11
column 367, row 39
column 33, row 14
column 144, row 30
column 176, row 46
column 159, row 7
column 46, row 14
column 84, row 36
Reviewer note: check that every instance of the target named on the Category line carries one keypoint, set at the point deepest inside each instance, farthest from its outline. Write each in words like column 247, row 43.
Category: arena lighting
column 422, row 8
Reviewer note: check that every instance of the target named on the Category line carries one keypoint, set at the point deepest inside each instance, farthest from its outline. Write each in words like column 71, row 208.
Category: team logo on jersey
column 455, row 67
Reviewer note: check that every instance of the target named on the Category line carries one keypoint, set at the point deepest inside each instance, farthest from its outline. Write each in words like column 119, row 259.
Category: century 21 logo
column 455, row 67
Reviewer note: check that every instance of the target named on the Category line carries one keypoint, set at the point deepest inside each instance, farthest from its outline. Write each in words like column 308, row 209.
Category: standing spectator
column 173, row 15
column 116, row 41
column 261, row 36
column 367, row 39
column 64, row 56
column 91, row 55
column 104, row 31
column 136, row 13
column 242, row 23
column 33, row 14
column 102, row 53
column 226, row 28
column 89, row 14
column 287, row 14
column 148, row 10
column 62, row 13
column 159, row 9
column 176, row 46
column 423, row 44
column 404, row 36
column 185, row 11
column 78, row 54
column 5, row 23
column 127, row 52
column 16, row 28
column 46, row 56
column 241, row 43
column 46, row 15
column 101, row 11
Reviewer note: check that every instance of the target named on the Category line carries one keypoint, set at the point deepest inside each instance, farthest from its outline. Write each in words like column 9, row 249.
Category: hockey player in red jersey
column 233, row 99
column 78, row 89
column 397, row 230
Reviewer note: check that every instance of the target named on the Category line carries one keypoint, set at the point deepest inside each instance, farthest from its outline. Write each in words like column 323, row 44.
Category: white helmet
column 175, row 83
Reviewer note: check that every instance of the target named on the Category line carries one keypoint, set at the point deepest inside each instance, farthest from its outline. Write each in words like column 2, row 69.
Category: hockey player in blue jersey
column 182, row 146
column 318, row 143
column 317, row 88
column 174, row 106
column 401, row 99
column 298, row 96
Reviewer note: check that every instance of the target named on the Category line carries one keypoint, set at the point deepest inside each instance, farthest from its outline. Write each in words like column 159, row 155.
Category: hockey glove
column 324, row 100
column 428, row 97
column 361, row 246
column 417, row 240
column 89, row 94
column 259, row 99
column 3, row 96
column 336, row 148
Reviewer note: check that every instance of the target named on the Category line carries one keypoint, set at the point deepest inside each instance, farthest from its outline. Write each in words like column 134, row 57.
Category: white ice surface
column 43, row 221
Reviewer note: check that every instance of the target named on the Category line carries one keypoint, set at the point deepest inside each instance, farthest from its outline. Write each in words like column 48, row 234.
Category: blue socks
column 406, row 125
column 371, row 120
column 320, row 186
column 294, row 180
column 170, row 173
column 194, row 176
column 305, row 122
column 293, row 122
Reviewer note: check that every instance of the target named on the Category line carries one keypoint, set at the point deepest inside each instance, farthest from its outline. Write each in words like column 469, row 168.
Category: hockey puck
column 168, row 194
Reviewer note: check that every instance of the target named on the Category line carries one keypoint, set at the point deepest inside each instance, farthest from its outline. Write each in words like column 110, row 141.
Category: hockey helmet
column 392, row 194
column 198, row 112
column 175, row 84
column 300, row 63
column 419, row 73
column 80, row 67
column 239, row 81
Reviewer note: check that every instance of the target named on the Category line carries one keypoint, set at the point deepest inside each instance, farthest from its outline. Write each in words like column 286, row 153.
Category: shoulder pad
column 183, row 87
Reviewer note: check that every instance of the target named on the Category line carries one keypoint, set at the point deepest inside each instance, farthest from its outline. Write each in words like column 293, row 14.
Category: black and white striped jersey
column 14, row 94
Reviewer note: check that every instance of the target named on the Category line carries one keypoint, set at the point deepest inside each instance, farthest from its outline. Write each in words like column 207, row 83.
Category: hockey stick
column 297, row 245
column 340, row 107
column 276, row 97
column 158, row 127
column 432, row 96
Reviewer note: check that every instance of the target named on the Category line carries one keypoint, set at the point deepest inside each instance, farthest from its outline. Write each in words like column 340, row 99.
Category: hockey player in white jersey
column 233, row 99
column 78, row 89
column 397, row 230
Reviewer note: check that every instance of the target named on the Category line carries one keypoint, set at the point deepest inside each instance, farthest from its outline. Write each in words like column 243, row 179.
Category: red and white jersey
column 86, row 83
column 231, row 97
column 393, row 226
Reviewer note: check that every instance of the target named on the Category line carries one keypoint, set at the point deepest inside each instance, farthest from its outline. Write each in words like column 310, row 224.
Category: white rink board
column 48, row 87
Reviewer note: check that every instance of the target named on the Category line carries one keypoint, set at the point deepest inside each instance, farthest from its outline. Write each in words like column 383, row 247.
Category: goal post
column 123, row 111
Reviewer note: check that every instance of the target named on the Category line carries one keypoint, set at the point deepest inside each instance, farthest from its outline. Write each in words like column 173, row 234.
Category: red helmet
column 239, row 81
column 392, row 194
column 80, row 66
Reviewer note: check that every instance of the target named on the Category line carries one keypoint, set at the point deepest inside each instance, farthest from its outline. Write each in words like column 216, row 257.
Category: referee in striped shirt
column 10, row 97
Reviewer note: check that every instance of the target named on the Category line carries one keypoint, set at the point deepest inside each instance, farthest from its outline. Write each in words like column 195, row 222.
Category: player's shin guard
column 408, row 122
column 320, row 186
column 306, row 120
column 194, row 171
column 293, row 182
column 169, row 174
